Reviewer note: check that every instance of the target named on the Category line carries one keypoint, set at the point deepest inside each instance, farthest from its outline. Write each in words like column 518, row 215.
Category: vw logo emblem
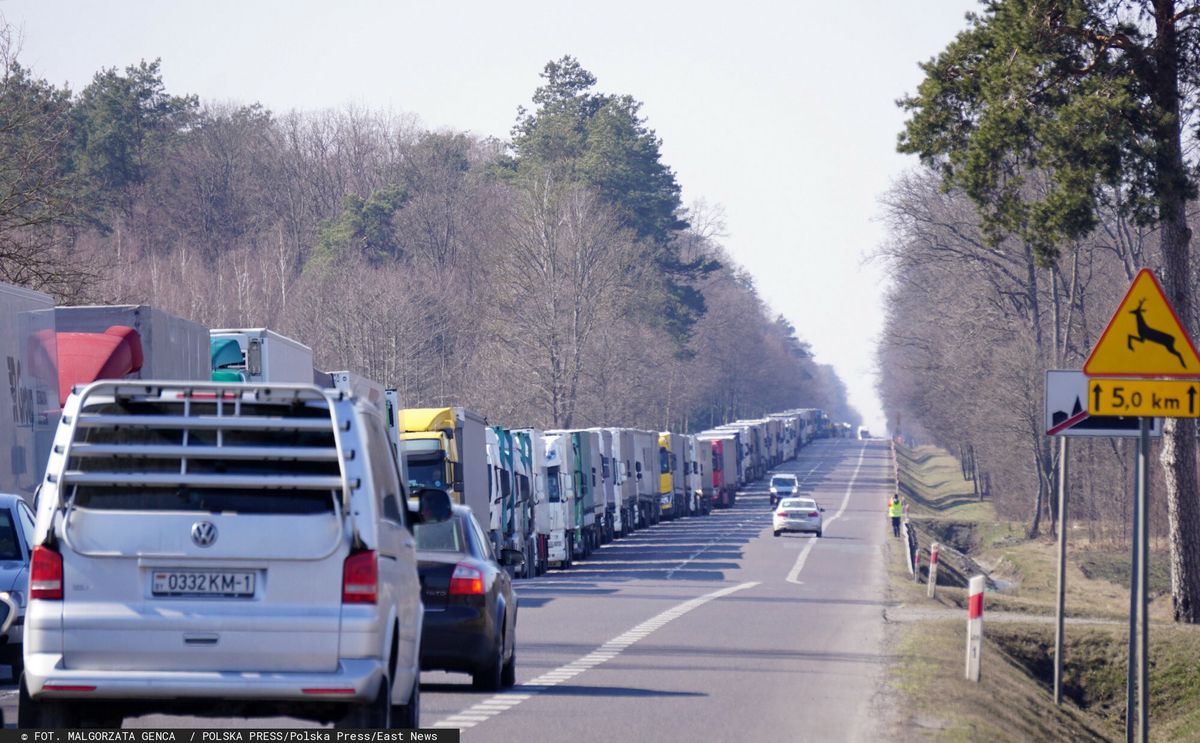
column 204, row 533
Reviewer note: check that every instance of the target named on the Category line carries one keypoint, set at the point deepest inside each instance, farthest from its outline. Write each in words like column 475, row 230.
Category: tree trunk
column 1179, row 435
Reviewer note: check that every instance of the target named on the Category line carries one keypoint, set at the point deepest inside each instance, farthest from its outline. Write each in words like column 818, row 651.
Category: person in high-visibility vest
column 895, row 510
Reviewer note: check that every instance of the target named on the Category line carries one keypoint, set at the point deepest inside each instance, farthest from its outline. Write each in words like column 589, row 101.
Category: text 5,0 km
column 1148, row 398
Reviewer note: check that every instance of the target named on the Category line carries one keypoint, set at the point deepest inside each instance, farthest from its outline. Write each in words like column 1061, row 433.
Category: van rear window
column 205, row 500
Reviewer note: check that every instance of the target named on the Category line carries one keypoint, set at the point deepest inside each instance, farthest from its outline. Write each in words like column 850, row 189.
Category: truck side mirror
column 458, row 477
column 254, row 357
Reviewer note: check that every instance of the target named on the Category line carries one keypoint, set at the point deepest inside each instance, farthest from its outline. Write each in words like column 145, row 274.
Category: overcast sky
column 782, row 113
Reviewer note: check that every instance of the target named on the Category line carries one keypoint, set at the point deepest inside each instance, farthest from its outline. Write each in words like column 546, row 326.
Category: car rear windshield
column 786, row 482
column 446, row 536
column 799, row 503
column 10, row 548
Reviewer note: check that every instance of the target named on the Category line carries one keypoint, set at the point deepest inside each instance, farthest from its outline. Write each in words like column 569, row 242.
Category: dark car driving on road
column 470, row 610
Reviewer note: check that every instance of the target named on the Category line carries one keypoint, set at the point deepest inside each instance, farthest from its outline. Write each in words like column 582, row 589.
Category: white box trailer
column 791, row 433
column 723, row 470
column 266, row 356
column 31, row 408
column 691, row 475
column 589, row 490
column 758, row 456
column 607, row 487
column 645, row 471
column 704, row 484
column 593, row 460
column 680, row 474
column 748, row 466
column 172, row 348
column 625, row 480
column 529, row 457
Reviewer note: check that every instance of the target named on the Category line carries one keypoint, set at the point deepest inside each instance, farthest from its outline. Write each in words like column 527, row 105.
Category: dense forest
column 552, row 279
column 1058, row 149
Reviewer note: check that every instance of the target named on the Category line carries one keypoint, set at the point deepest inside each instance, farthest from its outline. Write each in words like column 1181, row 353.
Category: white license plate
column 238, row 584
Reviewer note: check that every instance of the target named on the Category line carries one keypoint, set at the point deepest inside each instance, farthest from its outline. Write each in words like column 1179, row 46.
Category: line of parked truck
column 555, row 495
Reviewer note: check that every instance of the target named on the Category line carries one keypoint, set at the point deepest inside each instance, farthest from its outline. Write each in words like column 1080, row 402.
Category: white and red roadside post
column 933, row 567
column 974, row 627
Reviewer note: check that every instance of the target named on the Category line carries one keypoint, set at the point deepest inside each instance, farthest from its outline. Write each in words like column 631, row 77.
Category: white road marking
column 793, row 576
column 504, row 701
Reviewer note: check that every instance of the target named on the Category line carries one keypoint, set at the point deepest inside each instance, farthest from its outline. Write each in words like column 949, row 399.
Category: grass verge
column 1013, row 700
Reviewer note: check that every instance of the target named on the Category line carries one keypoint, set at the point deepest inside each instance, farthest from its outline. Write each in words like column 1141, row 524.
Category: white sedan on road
column 798, row 514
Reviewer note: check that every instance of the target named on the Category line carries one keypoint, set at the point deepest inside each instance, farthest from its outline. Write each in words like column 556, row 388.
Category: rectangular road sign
column 1067, row 410
column 1165, row 398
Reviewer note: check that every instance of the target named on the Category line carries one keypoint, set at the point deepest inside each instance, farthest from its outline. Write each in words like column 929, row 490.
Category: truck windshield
column 664, row 460
column 553, row 491
column 427, row 471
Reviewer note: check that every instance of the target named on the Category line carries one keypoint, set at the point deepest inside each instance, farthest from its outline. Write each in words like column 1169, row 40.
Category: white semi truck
column 259, row 355
column 625, row 480
column 556, row 515
column 529, row 463
column 30, row 406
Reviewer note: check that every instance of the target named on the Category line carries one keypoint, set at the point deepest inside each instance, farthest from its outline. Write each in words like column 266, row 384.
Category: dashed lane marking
column 794, row 575
column 506, row 700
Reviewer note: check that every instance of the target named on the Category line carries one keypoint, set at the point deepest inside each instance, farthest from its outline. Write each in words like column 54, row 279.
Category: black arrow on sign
column 1096, row 389
column 1191, row 400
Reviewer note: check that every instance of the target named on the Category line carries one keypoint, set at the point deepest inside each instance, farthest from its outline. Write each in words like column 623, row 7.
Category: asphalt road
column 699, row 629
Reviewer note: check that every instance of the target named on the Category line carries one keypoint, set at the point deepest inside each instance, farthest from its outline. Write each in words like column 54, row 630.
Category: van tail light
column 45, row 574
column 360, row 578
column 466, row 581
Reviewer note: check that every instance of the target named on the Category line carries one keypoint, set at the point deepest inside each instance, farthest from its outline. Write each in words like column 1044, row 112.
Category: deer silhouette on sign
column 1149, row 334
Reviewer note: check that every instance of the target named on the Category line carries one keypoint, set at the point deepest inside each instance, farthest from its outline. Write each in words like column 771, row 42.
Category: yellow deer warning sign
column 1144, row 338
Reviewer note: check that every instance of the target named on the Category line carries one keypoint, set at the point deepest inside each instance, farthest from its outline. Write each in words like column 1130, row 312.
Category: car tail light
column 466, row 581
column 329, row 691
column 360, row 578
column 781, row 514
column 813, row 514
column 45, row 574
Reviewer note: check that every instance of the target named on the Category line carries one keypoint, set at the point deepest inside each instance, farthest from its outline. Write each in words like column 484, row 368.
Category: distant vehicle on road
column 782, row 486
column 863, row 433
column 798, row 514
column 470, row 610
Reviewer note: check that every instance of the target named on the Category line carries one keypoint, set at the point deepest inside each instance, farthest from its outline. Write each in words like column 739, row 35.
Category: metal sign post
column 1135, row 678
column 1143, row 542
column 1062, row 569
